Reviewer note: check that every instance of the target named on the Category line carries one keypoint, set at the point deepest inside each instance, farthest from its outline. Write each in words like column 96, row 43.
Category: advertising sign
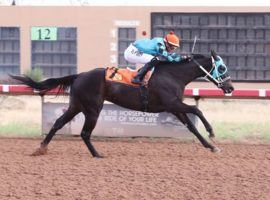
column 115, row 121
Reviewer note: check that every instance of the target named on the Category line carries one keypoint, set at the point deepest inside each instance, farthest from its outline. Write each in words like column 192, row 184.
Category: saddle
column 125, row 76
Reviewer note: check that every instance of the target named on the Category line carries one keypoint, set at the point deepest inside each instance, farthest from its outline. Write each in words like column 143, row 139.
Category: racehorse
column 89, row 90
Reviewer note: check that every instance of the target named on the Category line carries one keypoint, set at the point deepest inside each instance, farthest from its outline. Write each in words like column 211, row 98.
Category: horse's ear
column 214, row 54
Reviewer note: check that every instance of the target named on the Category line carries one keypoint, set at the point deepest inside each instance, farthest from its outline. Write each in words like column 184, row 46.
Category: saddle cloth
column 125, row 76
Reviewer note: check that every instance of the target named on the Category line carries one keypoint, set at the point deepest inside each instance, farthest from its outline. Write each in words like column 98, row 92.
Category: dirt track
column 140, row 169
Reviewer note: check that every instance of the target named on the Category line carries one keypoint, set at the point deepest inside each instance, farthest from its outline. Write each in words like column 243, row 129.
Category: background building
column 66, row 40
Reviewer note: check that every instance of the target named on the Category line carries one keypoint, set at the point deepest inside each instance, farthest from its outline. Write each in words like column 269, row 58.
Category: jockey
column 151, row 51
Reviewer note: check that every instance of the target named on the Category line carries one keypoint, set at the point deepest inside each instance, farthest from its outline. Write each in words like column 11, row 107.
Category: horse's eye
column 221, row 69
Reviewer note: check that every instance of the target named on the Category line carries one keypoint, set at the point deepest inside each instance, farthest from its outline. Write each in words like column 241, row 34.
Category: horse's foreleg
column 184, row 119
column 184, row 108
column 89, row 125
column 59, row 123
column 206, row 124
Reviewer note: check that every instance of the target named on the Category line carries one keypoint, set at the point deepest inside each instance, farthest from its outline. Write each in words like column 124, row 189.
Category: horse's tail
column 44, row 86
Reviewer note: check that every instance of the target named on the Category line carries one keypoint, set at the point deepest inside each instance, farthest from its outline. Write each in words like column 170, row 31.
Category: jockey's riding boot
column 142, row 72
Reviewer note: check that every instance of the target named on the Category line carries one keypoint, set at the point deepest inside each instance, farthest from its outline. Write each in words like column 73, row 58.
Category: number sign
column 44, row 33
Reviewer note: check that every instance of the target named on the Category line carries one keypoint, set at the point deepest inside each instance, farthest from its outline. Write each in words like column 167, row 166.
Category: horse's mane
column 194, row 56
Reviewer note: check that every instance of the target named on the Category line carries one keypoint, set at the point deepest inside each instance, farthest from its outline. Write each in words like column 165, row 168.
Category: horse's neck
column 196, row 67
column 187, row 72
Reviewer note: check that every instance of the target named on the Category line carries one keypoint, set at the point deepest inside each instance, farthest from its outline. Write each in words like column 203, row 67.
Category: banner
column 115, row 121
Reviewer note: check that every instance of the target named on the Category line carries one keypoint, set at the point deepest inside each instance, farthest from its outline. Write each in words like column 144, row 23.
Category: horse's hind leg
column 89, row 125
column 59, row 123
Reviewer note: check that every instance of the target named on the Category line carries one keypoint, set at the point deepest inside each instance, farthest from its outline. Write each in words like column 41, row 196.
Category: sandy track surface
column 138, row 169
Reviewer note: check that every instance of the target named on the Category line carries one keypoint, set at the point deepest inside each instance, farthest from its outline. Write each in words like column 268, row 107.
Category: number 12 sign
column 43, row 33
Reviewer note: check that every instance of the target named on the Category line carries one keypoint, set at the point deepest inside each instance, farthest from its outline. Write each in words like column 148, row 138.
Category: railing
column 189, row 93
column 115, row 123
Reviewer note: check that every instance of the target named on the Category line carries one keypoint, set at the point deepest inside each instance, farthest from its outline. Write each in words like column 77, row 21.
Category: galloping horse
column 89, row 90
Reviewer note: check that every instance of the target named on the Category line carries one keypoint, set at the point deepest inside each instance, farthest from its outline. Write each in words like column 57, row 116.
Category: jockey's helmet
column 172, row 42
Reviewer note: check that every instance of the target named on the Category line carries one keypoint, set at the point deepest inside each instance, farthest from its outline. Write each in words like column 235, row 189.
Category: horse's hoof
column 40, row 151
column 98, row 156
column 215, row 150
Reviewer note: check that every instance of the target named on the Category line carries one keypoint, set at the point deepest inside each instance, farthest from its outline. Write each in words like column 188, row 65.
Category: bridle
column 219, row 80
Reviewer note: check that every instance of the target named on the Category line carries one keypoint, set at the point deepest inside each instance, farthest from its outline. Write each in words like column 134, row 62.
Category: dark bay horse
column 89, row 90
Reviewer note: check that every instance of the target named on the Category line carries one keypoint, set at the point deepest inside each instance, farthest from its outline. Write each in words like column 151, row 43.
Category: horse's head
column 219, row 73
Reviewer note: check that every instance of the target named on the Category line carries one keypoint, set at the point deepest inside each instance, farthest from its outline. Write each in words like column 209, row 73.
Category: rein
column 219, row 81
